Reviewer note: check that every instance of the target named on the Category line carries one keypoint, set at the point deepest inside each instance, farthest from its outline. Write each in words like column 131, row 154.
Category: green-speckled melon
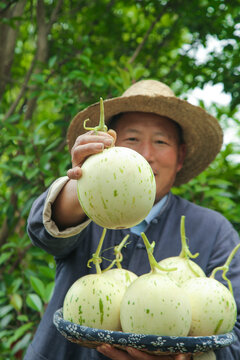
column 117, row 188
column 185, row 269
column 214, row 309
column 94, row 301
column 154, row 304
column 125, row 277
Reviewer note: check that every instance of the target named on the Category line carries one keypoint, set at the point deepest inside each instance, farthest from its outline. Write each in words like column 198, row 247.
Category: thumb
column 113, row 134
column 183, row 357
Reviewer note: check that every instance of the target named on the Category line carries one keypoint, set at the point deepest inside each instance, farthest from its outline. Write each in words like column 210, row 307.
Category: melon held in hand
column 117, row 188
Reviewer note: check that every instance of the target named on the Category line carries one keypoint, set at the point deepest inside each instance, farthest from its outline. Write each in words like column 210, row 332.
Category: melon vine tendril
column 225, row 268
column 101, row 126
column 117, row 252
column 96, row 259
column 153, row 263
column 118, row 255
column 185, row 252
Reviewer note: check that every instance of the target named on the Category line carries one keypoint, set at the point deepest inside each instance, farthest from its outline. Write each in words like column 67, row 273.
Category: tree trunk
column 42, row 46
column 8, row 38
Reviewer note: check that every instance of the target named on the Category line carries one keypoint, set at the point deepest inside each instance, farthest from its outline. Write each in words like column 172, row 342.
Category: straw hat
column 201, row 131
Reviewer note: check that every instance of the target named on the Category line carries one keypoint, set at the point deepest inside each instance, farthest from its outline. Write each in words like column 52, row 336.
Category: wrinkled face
column 156, row 138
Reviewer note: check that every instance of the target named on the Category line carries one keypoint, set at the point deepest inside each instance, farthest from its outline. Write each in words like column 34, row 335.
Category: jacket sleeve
column 42, row 230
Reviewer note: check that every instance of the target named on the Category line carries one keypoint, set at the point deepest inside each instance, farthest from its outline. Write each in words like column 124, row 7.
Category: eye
column 160, row 141
column 132, row 139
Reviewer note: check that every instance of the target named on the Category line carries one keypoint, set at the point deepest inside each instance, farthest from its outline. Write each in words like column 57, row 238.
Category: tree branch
column 20, row 257
column 8, row 5
column 140, row 46
column 22, row 91
column 54, row 14
column 42, row 45
column 166, row 38
column 4, row 232
column 8, row 37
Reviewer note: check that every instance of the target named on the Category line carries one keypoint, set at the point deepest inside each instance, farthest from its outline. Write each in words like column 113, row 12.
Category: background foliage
column 57, row 57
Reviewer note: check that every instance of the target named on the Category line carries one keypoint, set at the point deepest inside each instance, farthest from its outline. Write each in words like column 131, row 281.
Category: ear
column 181, row 156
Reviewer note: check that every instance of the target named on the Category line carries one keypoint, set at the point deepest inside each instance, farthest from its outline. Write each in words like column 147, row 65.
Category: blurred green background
column 59, row 56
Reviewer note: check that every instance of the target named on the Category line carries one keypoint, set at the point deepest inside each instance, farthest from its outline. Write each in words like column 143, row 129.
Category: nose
column 147, row 151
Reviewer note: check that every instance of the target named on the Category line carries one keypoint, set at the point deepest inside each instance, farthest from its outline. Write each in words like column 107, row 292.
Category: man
column 179, row 141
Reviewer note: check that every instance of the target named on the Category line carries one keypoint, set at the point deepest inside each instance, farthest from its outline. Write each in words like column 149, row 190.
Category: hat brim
column 202, row 133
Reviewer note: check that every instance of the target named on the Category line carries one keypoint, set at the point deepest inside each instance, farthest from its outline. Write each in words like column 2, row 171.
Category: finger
column 86, row 145
column 113, row 134
column 89, row 144
column 93, row 137
column 141, row 355
column 183, row 357
column 74, row 173
column 113, row 353
column 81, row 152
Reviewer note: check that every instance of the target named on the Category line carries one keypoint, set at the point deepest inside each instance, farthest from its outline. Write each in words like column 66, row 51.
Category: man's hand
column 134, row 354
column 88, row 144
column 66, row 209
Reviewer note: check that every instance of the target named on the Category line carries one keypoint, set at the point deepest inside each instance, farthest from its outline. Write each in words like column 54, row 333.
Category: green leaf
column 34, row 302
column 19, row 333
column 23, row 318
column 4, row 333
column 5, row 256
column 31, row 173
column 38, row 78
column 5, row 310
column 49, row 291
column 16, row 301
column 47, row 272
column 13, row 118
column 15, row 285
column 22, row 344
column 52, row 61
column 53, row 144
column 85, row 60
column 5, row 321
column 38, row 286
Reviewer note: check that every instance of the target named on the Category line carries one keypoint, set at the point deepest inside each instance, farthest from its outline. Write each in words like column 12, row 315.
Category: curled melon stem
column 96, row 258
column 117, row 251
column 118, row 255
column 101, row 126
column 185, row 252
column 153, row 263
column 225, row 268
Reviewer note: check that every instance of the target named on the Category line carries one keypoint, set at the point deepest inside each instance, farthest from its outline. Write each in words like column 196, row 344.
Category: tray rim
column 93, row 337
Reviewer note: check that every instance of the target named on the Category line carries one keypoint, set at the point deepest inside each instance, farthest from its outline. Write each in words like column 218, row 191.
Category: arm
column 66, row 209
column 43, row 231
column 56, row 218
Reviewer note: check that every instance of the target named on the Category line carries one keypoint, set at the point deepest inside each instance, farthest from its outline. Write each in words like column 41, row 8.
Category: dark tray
column 153, row 344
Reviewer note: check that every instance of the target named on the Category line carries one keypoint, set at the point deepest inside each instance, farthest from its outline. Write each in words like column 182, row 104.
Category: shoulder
column 197, row 214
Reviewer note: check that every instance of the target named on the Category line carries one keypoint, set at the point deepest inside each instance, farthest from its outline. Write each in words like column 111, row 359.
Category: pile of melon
column 174, row 299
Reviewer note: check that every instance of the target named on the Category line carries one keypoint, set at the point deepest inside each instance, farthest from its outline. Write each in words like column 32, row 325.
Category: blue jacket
column 209, row 233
